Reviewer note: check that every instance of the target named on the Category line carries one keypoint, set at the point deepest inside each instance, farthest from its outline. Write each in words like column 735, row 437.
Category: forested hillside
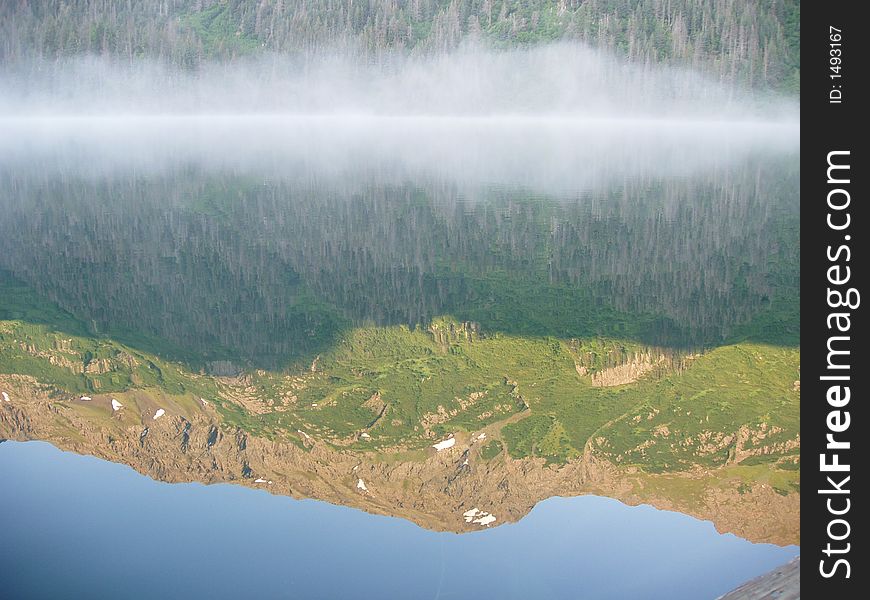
column 258, row 272
column 747, row 42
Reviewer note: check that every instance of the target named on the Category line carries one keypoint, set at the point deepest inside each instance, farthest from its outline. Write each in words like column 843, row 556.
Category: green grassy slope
column 406, row 388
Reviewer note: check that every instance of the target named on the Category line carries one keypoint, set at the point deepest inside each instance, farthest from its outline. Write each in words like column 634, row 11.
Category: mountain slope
column 745, row 42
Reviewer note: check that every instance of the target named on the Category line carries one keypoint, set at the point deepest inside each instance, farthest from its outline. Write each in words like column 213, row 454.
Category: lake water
column 257, row 240
column 248, row 243
column 76, row 526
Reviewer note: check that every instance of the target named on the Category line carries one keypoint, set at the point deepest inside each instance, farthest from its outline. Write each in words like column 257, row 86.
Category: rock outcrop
column 190, row 443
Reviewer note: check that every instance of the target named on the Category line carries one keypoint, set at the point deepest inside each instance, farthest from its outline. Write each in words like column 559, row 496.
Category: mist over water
column 547, row 155
column 541, row 243
column 551, row 118
column 391, row 191
column 565, row 79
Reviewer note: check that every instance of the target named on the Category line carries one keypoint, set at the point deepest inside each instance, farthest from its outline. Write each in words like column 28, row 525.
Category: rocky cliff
column 454, row 489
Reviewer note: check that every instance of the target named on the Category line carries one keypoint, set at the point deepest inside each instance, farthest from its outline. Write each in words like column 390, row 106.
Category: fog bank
column 546, row 154
column 565, row 79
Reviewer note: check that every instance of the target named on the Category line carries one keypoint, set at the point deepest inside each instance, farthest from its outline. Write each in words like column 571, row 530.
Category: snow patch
column 258, row 480
column 86, row 398
column 485, row 520
column 482, row 436
column 160, row 412
column 361, row 485
column 303, row 434
column 6, row 396
column 475, row 515
column 116, row 405
column 365, row 436
column 445, row 444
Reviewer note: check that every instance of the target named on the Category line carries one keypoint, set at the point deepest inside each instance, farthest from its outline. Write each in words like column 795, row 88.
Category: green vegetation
column 219, row 32
column 691, row 493
column 743, row 42
column 491, row 449
column 525, row 306
column 406, row 388
column 694, row 417
column 39, row 339
column 260, row 282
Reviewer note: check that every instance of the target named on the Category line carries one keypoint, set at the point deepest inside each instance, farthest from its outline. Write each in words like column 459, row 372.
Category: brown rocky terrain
column 188, row 442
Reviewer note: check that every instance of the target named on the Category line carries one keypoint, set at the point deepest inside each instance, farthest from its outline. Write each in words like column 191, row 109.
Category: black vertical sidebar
column 835, row 424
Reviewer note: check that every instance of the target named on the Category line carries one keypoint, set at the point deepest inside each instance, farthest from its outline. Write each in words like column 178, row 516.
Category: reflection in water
column 259, row 241
column 566, row 293
column 224, row 541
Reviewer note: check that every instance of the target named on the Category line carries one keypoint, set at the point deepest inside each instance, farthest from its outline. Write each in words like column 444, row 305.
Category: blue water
column 79, row 527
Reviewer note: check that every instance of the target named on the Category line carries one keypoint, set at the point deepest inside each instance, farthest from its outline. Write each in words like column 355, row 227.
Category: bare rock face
column 189, row 443
column 627, row 372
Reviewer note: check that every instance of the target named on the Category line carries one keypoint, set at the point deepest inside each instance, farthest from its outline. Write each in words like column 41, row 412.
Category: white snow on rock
column 444, row 445
column 360, row 484
column 482, row 436
column 365, row 436
column 475, row 515
column 259, row 481
column 485, row 520
column 86, row 398
column 6, row 397
column 160, row 412
column 303, row 434
column 204, row 401
column 116, row 405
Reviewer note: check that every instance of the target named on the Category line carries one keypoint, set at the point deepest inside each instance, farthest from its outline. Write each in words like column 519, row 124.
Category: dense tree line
column 266, row 270
column 754, row 42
